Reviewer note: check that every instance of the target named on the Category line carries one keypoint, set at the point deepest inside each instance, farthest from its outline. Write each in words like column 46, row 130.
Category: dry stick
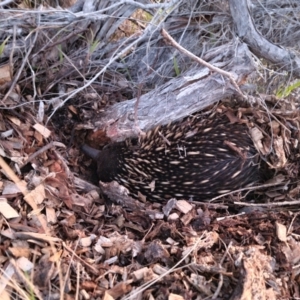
column 62, row 40
column 290, row 227
column 43, row 149
column 277, row 204
column 139, row 5
column 251, row 188
column 77, row 281
column 165, row 34
column 63, row 162
column 63, row 283
column 12, row 52
column 6, row 279
column 20, row 70
column 209, row 205
column 218, row 290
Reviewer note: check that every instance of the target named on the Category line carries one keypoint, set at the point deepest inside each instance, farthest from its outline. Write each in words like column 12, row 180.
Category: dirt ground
column 57, row 225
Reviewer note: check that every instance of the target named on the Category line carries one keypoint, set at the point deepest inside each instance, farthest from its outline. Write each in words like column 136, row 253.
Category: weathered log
column 181, row 96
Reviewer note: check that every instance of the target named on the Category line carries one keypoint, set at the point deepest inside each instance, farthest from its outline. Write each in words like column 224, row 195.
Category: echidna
column 194, row 158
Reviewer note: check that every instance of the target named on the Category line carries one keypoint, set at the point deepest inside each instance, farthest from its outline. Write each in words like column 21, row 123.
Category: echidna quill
column 194, row 159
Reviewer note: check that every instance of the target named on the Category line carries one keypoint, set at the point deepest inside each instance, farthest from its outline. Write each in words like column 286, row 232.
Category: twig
column 2, row 3
column 20, row 70
column 165, row 34
column 60, row 41
column 270, row 205
column 212, row 205
column 250, row 188
column 64, row 164
column 139, row 5
column 40, row 151
column 290, row 227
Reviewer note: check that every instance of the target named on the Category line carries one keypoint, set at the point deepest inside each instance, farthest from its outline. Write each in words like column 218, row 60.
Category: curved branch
column 260, row 46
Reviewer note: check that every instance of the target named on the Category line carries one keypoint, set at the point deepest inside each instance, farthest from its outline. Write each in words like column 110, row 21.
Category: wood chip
column 20, row 251
column 38, row 236
column 186, row 219
column 6, row 276
column 279, row 149
column 10, row 188
column 107, row 296
column 24, row 264
column 111, row 260
column 173, row 217
column 38, row 194
column 51, row 215
column 159, row 270
column 281, row 232
column 56, row 256
column 257, row 137
column 6, row 210
column 9, row 233
column 87, row 241
column 175, row 297
column 42, row 130
column 140, row 274
column 118, row 290
column 183, row 206
column 171, row 241
column 104, row 242
column 15, row 120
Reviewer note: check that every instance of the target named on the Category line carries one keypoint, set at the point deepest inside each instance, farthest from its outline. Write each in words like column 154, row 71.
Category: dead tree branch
column 260, row 46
